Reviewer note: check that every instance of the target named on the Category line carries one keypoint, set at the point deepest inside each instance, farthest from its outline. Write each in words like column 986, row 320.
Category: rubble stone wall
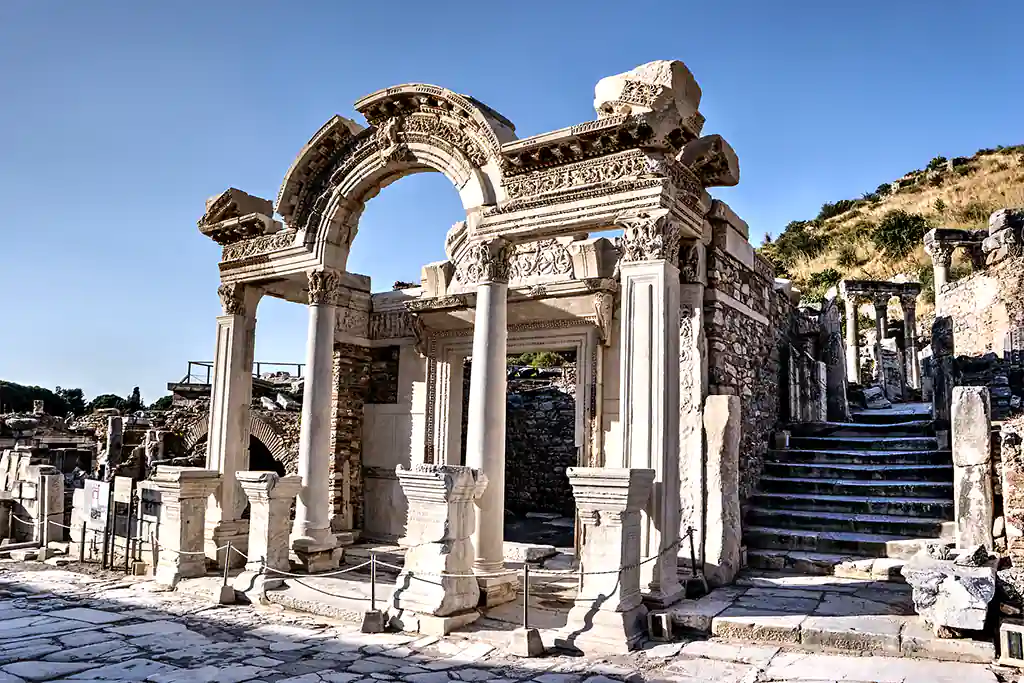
column 746, row 322
column 351, row 387
column 984, row 307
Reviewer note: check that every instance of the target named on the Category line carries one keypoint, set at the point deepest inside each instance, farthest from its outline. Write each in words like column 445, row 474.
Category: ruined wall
column 351, row 387
column 746, row 321
column 984, row 307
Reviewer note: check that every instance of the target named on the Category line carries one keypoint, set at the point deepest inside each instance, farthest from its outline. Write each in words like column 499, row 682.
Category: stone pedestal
column 913, row 365
column 724, row 536
column 852, row 342
column 892, row 370
column 972, row 467
column 270, row 502
column 438, row 538
column 485, row 435
column 649, row 400
column 183, row 497
column 314, row 545
column 834, row 355
column 942, row 377
column 608, row 615
column 230, row 396
column 112, row 450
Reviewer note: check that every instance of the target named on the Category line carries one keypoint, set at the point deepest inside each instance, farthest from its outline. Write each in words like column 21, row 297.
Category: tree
column 107, row 401
column 74, row 398
column 135, row 400
column 899, row 232
column 162, row 403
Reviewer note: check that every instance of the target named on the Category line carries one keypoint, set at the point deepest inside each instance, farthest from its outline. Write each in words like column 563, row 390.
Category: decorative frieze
column 603, row 170
column 324, row 286
column 391, row 325
column 258, row 246
column 544, row 257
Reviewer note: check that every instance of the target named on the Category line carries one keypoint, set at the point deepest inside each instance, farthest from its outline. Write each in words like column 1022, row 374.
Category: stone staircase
column 843, row 492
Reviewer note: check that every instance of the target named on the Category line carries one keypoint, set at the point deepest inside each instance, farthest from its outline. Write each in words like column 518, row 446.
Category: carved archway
column 414, row 128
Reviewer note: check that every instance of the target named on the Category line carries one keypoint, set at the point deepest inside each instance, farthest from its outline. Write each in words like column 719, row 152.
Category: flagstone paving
column 58, row 625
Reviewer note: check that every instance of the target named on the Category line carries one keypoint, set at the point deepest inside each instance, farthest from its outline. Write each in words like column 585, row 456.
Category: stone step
column 894, row 416
column 877, row 442
column 873, row 505
column 908, row 428
column 888, row 473
column 928, row 457
column 858, row 487
column 816, row 520
column 799, row 561
column 838, row 542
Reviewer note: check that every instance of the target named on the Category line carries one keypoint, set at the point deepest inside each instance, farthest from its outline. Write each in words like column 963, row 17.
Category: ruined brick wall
column 984, row 307
column 746, row 321
column 351, row 385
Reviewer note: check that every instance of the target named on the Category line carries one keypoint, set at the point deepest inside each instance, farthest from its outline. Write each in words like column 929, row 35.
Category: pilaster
column 909, row 304
column 183, row 499
column 270, row 501
column 649, row 389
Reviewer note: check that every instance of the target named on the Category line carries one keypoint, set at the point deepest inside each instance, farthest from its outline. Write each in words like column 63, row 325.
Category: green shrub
column 936, row 163
column 940, row 206
column 539, row 359
column 799, row 239
column 830, row 210
column 847, row 256
column 964, row 170
column 883, row 189
column 162, row 403
column 899, row 232
column 973, row 212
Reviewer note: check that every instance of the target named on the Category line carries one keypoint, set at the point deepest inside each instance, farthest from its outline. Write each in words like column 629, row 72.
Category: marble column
column 881, row 304
column 486, row 266
column 649, row 390
column 230, row 397
column 312, row 540
column 909, row 304
column 852, row 342
column 942, row 258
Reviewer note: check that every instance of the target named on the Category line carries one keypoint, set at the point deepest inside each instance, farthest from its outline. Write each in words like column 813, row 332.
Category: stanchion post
column 526, row 595
column 693, row 553
column 373, row 581
column 373, row 619
column 227, row 592
column 81, row 545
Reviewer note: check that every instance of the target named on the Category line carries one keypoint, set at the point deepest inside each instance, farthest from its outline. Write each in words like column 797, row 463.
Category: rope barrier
column 280, row 572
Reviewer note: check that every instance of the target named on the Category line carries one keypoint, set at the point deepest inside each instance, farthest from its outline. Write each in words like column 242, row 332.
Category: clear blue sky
column 117, row 120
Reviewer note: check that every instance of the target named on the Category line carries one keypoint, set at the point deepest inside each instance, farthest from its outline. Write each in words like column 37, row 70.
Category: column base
column 598, row 632
column 317, row 557
column 497, row 590
column 663, row 598
column 234, row 531
column 428, row 624
column 254, row 586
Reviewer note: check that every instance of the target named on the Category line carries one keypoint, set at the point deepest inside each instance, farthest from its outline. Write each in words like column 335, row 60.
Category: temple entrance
column 540, row 445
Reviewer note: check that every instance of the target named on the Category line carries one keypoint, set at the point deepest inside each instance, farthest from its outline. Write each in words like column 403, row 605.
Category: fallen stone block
column 949, row 596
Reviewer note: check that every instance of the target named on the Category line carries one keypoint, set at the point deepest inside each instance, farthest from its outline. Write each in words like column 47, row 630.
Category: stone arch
column 266, row 433
column 413, row 128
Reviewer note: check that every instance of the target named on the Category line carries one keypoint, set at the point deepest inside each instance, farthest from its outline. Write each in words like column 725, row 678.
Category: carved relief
column 544, row 257
column 391, row 325
column 485, row 262
column 603, row 312
column 232, row 299
column 691, row 266
column 648, row 237
column 352, row 321
column 574, row 175
column 258, row 245
column 324, row 286
column 452, row 301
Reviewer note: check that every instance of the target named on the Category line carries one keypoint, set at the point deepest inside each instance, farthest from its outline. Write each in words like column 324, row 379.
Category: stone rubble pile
column 952, row 588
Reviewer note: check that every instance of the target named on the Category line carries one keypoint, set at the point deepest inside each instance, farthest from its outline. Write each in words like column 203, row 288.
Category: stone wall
column 747, row 320
column 984, row 307
column 351, row 386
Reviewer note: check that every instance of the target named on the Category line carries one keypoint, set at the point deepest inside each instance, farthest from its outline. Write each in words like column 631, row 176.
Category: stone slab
column 89, row 616
column 757, row 626
column 800, row 667
column 704, row 670
column 917, row 640
column 696, row 615
column 860, row 633
column 758, row 655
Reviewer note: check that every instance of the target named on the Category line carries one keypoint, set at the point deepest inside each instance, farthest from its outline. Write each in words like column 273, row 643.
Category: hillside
column 879, row 235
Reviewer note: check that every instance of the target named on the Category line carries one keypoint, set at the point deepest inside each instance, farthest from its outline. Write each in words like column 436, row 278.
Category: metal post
column 81, row 545
column 693, row 554
column 227, row 562
column 128, row 529
column 107, row 523
column 526, row 595
column 373, row 581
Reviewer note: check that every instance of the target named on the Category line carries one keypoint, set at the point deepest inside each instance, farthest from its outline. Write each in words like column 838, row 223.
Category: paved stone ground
column 58, row 625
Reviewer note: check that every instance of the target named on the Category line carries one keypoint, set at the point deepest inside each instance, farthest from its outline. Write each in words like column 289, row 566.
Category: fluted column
column 852, row 344
column 311, row 531
column 909, row 304
column 486, row 266
column 230, row 397
column 649, row 389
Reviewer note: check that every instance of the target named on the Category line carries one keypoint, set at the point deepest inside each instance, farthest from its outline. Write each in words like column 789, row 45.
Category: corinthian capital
column 486, row 261
column 232, row 298
column 649, row 237
column 324, row 286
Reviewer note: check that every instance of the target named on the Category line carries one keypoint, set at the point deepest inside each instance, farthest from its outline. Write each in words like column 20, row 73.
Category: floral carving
column 232, row 299
column 324, row 286
column 544, row 257
column 690, row 262
column 648, row 237
column 258, row 245
column 638, row 92
column 485, row 262
column 576, row 175
column 603, row 303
